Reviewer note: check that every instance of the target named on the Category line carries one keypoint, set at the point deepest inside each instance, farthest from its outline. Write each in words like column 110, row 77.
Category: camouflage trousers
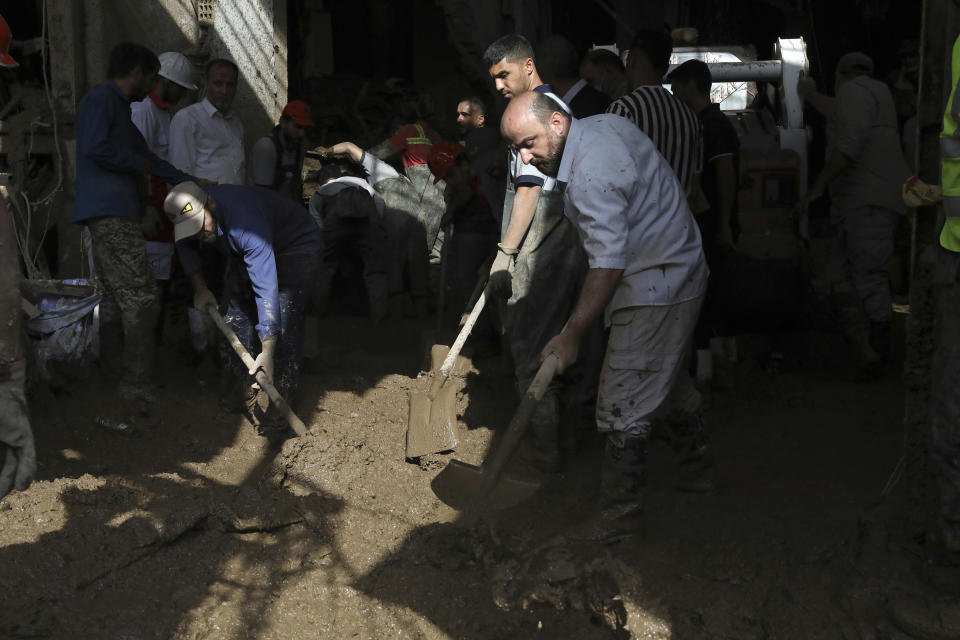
column 130, row 304
column 945, row 414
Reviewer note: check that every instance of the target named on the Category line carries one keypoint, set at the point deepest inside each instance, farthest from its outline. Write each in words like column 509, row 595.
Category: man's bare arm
column 524, row 205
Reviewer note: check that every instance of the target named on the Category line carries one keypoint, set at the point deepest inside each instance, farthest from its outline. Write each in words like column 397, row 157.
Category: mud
column 196, row 527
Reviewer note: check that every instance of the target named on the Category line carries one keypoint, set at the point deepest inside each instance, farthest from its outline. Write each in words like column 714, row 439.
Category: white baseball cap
column 176, row 68
column 184, row 205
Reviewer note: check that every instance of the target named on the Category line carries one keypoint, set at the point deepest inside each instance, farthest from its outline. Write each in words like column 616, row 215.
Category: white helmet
column 176, row 68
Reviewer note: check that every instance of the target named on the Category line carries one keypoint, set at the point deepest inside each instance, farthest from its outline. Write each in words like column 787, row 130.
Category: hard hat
column 443, row 155
column 184, row 205
column 176, row 68
column 299, row 111
column 6, row 60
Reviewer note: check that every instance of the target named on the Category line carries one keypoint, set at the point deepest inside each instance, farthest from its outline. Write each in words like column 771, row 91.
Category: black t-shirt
column 719, row 138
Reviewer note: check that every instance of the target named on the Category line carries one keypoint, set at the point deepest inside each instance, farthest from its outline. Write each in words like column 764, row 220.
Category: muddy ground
column 195, row 527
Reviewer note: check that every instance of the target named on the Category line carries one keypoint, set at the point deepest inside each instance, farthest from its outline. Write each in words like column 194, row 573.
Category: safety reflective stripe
column 950, row 146
column 951, row 206
column 421, row 139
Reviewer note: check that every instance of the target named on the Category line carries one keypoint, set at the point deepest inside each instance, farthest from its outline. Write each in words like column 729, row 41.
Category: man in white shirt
column 647, row 277
column 207, row 136
column 152, row 117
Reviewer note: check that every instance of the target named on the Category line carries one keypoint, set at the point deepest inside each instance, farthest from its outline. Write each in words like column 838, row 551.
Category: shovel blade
column 432, row 423
column 464, row 486
column 438, row 353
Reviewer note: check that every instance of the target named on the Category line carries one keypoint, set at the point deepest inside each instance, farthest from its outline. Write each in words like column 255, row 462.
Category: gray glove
column 500, row 284
column 265, row 359
column 18, row 457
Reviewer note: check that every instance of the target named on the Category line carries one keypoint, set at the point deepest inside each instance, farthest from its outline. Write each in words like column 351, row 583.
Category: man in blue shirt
column 113, row 166
column 274, row 245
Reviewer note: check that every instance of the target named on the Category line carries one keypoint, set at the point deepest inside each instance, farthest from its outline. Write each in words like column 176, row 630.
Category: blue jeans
column 296, row 275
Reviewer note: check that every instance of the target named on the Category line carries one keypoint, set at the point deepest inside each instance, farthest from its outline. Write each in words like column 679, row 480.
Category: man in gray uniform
column 864, row 170
column 647, row 278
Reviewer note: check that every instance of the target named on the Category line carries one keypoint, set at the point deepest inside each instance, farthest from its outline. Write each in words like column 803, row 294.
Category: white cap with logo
column 176, row 68
column 184, row 205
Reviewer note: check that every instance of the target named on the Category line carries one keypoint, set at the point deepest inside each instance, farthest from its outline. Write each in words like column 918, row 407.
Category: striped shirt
column 671, row 125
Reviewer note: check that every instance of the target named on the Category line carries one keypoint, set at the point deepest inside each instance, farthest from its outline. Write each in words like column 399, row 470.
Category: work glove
column 151, row 223
column 265, row 360
column 18, row 457
column 500, row 284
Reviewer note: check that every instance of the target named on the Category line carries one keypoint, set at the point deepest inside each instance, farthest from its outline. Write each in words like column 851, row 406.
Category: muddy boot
column 540, row 448
column 623, row 479
column 856, row 330
column 111, row 350
column 698, row 468
column 880, row 340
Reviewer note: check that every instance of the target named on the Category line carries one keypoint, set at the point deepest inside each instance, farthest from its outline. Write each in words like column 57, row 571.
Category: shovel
column 265, row 383
column 433, row 415
column 461, row 485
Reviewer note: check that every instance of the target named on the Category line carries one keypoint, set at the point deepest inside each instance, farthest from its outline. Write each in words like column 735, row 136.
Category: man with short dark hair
column 560, row 68
column 276, row 161
column 646, row 279
column 864, row 170
column 113, row 164
column 539, row 265
column 671, row 125
column 206, row 138
column 471, row 114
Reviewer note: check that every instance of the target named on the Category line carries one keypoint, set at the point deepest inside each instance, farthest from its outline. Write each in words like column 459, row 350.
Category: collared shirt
column 671, row 125
column 527, row 175
column 113, row 158
column 258, row 225
column 631, row 213
column 863, row 126
column 208, row 144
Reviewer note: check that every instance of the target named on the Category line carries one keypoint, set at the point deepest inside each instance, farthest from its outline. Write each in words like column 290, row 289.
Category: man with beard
column 538, row 269
column 113, row 165
column 484, row 149
column 647, row 278
column 276, row 244
column 276, row 161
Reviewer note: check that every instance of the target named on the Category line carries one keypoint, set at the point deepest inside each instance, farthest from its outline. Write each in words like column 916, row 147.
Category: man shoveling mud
column 647, row 277
column 274, row 247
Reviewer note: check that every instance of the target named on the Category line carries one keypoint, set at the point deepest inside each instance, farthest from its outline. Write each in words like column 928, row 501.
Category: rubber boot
column 619, row 514
column 856, row 330
column 111, row 350
column 880, row 340
column 138, row 354
column 540, row 448
column 698, row 469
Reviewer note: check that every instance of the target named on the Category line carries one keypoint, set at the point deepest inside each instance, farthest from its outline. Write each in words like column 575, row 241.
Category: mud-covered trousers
column 644, row 376
column 945, row 413
column 859, row 277
column 296, row 275
column 130, row 304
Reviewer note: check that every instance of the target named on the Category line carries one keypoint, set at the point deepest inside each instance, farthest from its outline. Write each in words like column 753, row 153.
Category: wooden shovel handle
column 265, row 383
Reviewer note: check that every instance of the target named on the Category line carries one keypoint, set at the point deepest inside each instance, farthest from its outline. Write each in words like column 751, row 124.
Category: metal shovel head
column 438, row 353
column 432, row 422
column 464, row 486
